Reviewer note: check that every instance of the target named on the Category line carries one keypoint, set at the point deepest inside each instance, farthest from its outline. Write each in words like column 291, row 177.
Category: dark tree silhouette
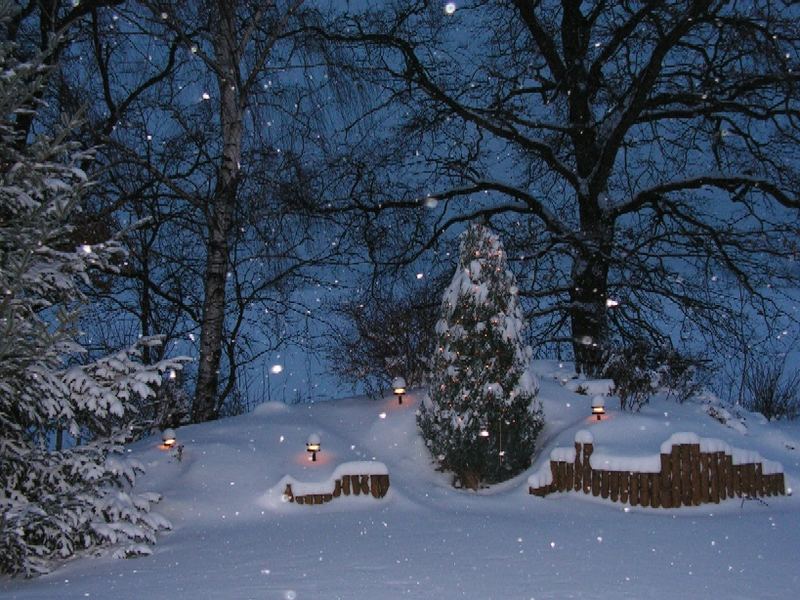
column 640, row 153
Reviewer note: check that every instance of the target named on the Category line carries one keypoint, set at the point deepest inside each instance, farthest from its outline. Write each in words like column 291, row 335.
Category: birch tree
column 195, row 106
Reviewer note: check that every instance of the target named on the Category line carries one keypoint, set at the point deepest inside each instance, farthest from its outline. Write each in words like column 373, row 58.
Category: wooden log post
column 722, row 466
column 374, row 486
column 633, row 498
column 781, row 484
column 770, row 485
column 605, row 483
column 705, row 482
column 713, row 474
column 337, row 488
column 759, row 481
column 364, row 484
column 624, row 486
column 748, row 474
column 346, row 485
column 695, row 468
column 569, row 480
column 666, row 481
column 686, row 475
column 578, row 468
column 729, row 475
column 555, row 485
column 614, row 485
column 655, row 494
column 563, row 483
column 737, row 480
column 644, row 489
column 287, row 493
column 675, row 467
column 595, row 482
column 378, row 481
column 587, row 468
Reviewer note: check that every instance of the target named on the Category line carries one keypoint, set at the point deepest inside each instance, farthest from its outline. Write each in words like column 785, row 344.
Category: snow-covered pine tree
column 481, row 416
column 53, row 502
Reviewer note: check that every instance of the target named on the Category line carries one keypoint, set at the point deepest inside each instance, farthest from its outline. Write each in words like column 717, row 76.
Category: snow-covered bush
column 481, row 416
column 55, row 502
column 641, row 370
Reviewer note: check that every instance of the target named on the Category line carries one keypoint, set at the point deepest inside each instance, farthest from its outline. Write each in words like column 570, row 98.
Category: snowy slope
column 234, row 538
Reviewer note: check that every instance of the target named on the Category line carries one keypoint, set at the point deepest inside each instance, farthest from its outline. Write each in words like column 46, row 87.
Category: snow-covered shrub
column 772, row 392
column 481, row 416
column 641, row 370
column 55, row 502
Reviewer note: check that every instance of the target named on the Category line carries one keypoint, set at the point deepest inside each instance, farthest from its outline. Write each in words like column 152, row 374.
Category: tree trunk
column 206, row 405
column 589, row 278
column 588, row 294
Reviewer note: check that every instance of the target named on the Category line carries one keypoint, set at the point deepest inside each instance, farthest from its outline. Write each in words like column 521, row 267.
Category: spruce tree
column 54, row 501
column 481, row 416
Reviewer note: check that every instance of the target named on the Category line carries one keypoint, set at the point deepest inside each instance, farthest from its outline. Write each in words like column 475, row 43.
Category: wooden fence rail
column 687, row 475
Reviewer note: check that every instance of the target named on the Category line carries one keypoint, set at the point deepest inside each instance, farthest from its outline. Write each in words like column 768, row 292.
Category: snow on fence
column 373, row 478
column 689, row 471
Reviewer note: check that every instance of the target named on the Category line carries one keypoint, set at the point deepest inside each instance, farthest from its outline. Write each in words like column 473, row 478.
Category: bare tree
column 384, row 331
column 642, row 156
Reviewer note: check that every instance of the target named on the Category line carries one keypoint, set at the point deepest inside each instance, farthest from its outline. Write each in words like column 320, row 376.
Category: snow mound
column 271, row 408
column 591, row 387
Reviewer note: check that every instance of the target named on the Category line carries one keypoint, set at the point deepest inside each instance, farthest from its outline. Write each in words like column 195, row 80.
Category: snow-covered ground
column 235, row 538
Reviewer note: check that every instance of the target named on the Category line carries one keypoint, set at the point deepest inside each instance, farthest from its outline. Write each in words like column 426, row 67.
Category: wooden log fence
column 376, row 485
column 688, row 475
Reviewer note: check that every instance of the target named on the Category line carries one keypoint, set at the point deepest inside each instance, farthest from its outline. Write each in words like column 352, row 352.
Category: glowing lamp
column 399, row 387
column 168, row 438
column 598, row 407
column 313, row 446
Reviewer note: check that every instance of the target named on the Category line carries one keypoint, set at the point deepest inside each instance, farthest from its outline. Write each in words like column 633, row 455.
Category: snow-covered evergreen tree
column 54, row 502
column 481, row 416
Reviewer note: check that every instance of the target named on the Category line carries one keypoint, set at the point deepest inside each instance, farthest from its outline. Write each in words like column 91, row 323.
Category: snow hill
column 236, row 537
